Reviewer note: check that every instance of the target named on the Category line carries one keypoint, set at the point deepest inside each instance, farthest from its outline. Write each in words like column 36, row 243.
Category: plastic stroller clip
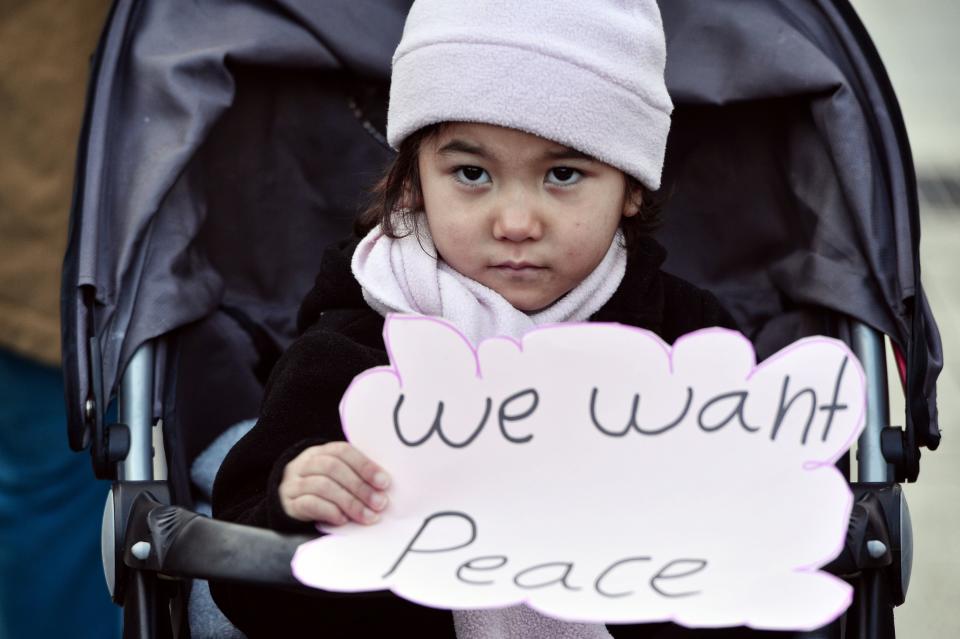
column 105, row 451
column 898, row 452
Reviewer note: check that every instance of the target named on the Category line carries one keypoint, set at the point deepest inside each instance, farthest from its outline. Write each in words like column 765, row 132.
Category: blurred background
column 51, row 582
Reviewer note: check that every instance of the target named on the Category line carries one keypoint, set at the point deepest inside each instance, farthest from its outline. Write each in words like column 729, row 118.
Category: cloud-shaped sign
column 597, row 474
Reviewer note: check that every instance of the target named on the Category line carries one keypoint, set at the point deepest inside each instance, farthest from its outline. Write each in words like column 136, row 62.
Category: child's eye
column 563, row 176
column 471, row 175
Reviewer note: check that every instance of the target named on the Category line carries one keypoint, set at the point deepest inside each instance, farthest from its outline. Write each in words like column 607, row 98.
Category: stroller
column 225, row 143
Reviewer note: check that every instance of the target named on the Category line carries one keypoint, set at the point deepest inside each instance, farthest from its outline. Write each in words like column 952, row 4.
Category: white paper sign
column 597, row 474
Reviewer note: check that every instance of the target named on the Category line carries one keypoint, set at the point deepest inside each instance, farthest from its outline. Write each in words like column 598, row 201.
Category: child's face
column 522, row 215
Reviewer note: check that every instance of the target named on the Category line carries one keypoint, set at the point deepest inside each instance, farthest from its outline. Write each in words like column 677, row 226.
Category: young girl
column 530, row 138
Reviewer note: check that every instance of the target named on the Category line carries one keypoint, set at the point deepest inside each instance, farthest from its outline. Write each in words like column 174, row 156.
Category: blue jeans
column 51, row 580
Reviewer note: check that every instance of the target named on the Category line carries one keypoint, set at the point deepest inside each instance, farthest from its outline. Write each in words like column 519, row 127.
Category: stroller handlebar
column 177, row 542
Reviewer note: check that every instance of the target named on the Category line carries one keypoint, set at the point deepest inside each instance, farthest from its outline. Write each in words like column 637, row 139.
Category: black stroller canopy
column 227, row 142
column 795, row 186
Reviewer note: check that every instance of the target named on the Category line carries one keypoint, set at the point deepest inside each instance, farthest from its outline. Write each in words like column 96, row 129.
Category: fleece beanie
column 586, row 74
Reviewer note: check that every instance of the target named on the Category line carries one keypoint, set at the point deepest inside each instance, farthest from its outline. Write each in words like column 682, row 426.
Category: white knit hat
column 585, row 73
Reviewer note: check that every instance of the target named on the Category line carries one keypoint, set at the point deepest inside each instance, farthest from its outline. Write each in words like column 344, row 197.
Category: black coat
column 341, row 337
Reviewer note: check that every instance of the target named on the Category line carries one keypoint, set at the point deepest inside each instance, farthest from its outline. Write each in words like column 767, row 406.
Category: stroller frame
column 150, row 545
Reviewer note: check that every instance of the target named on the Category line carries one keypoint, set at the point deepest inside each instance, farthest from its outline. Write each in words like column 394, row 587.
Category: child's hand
column 333, row 484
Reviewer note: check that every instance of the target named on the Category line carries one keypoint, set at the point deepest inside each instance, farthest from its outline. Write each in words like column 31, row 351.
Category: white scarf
column 404, row 276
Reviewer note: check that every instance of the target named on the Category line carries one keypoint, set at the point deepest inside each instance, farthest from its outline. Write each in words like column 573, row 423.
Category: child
column 530, row 140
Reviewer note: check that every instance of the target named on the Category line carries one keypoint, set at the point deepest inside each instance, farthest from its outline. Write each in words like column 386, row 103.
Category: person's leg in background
column 51, row 579
column 51, row 582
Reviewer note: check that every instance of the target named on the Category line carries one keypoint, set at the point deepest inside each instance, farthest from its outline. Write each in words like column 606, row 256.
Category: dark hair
column 400, row 186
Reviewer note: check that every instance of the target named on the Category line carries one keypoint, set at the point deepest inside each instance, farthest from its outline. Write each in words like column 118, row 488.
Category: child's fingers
column 338, row 470
column 313, row 508
column 329, row 489
column 333, row 483
column 361, row 464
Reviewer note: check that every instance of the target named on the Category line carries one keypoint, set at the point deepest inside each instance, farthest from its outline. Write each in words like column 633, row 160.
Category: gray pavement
column 932, row 608
column 917, row 40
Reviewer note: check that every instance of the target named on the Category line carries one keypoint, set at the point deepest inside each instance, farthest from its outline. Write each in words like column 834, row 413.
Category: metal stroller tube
column 136, row 411
column 868, row 345
column 882, row 538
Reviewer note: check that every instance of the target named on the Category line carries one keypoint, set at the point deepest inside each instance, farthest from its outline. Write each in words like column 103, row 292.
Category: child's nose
column 517, row 219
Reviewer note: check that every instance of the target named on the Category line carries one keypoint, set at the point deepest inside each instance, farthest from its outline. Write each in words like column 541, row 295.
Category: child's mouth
column 519, row 272
column 517, row 266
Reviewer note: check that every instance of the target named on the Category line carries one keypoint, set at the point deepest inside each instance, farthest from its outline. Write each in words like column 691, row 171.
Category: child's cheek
column 454, row 246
